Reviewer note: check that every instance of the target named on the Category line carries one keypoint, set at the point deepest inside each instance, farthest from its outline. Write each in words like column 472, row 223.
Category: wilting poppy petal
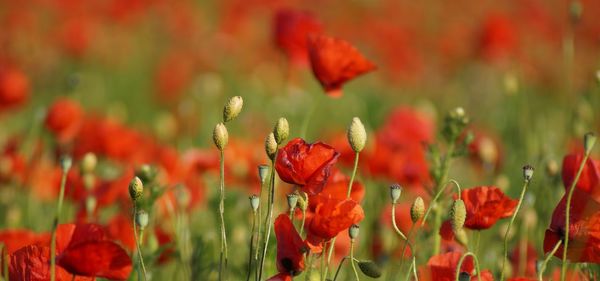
column 290, row 247
column 334, row 62
column 97, row 258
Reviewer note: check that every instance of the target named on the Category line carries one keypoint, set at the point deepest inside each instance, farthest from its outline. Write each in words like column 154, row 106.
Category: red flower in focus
column 589, row 180
column 333, row 216
column 14, row 87
column 486, row 205
column 443, row 268
column 335, row 61
column 337, row 188
column 306, row 165
column 290, row 248
column 64, row 119
column 291, row 32
column 16, row 239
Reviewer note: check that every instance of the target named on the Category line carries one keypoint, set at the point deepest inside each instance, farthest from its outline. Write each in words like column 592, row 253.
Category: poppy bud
column 461, row 237
column 292, row 200
column 232, row 108
column 271, row 146
column 66, row 162
column 458, row 214
column 146, row 173
column 528, row 172
column 353, row 231
column 88, row 181
column 395, row 191
column 575, row 11
column 357, row 136
column 369, row 268
column 254, row 202
column 263, row 172
column 220, row 136
column 417, row 210
column 90, row 204
column 464, row 276
column 141, row 219
column 281, row 130
column 588, row 142
column 88, row 163
column 136, row 188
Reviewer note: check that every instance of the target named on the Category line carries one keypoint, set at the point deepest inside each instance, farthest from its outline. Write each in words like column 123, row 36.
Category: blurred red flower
column 498, row 38
column 306, row 165
column 485, row 205
column 442, row 267
column 14, row 87
column 290, row 247
column 64, row 119
column 529, row 263
column 333, row 216
column 291, row 31
column 334, row 62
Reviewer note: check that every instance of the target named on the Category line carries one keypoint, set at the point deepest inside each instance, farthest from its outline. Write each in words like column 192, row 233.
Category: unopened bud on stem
column 254, row 202
column 136, row 188
column 271, row 146
column 417, row 209
column 281, row 130
column 395, row 192
column 357, row 135
column 232, row 108
column 220, row 136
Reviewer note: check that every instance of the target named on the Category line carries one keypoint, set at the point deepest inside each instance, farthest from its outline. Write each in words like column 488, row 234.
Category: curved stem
column 352, row 260
column 252, row 235
column 269, row 217
column 563, row 271
column 414, row 267
column 437, row 195
column 61, row 195
column 223, row 258
column 303, row 220
column 412, row 227
column 339, row 267
column 137, row 243
column 547, row 259
column 460, row 262
column 512, row 220
column 396, row 226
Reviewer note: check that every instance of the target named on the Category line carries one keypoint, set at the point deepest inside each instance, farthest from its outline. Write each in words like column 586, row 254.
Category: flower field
column 299, row 140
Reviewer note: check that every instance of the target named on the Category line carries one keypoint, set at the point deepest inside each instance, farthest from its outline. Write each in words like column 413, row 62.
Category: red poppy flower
column 32, row 263
column 14, row 87
column 442, row 267
column 589, row 180
column 498, row 38
column 16, row 239
column 64, row 119
column 281, row 277
column 334, row 62
column 306, row 165
column 332, row 217
column 291, row 32
column 486, row 205
column 337, row 188
column 290, row 247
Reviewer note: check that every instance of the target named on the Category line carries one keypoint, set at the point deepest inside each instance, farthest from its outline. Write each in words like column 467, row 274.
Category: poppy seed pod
column 263, row 172
column 357, row 136
column 303, row 201
column 353, row 231
column 136, row 188
column 271, row 146
column 281, row 130
column 458, row 214
column 66, row 162
column 417, row 210
column 369, row 268
column 233, row 108
column 528, row 172
column 588, row 142
column 461, row 237
column 141, row 219
column 292, row 200
column 220, row 136
column 464, row 276
column 88, row 163
column 254, row 202
column 395, row 192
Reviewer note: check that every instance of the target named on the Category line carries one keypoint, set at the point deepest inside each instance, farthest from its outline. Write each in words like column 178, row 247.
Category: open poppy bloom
column 306, row 165
column 334, row 62
column 442, row 267
column 337, row 188
column 333, row 216
column 589, row 180
column 292, row 29
column 290, row 249
column 485, row 206
column 64, row 119
column 81, row 250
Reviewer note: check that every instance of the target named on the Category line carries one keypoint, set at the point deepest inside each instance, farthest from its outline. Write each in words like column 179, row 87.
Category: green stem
column 61, row 195
column 137, row 243
column 339, row 267
column 306, row 120
column 437, row 195
column 462, row 259
column 563, row 272
column 547, row 259
column 269, row 217
column 223, row 257
column 303, row 220
column 252, row 235
column 512, row 220
column 412, row 227
column 477, row 240
column 352, row 260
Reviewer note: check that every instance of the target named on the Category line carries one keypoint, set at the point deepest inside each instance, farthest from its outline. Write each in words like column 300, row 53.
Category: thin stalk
column 352, row 260
column 410, row 270
column 61, row 195
column 462, row 259
column 303, row 220
column 223, row 257
column 512, row 220
column 414, row 267
column 547, row 259
column 137, row 243
column 339, row 267
column 477, row 240
column 322, row 269
column 396, row 226
column 329, row 255
column 438, row 214
column 252, row 236
column 437, row 195
column 563, row 272
column 269, row 217
column 412, row 227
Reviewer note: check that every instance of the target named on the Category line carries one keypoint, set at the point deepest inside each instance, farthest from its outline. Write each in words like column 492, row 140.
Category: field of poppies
column 299, row 140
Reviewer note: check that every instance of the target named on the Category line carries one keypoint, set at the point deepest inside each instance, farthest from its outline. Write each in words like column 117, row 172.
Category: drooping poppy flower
column 442, row 267
column 332, row 217
column 485, row 206
column 291, row 31
column 306, row 165
column 64, row 119
column 14, row 87
column 290, row 249
column 334, row 62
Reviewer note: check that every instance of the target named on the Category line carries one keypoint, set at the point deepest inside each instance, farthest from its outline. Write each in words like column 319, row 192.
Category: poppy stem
column 412, row 227
column 329, row 255
column 137, row 243
column 412, row 269
column 352, row 260
column 437, row 195
column 512, row 220
column 303, row 220
column 252, row 237
column 269, row 218
column 63, row 182
column 460, row 262
column 223, row 257
column 563, row 271
column 547, row 259
column 339, row 267
column 396, row 226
